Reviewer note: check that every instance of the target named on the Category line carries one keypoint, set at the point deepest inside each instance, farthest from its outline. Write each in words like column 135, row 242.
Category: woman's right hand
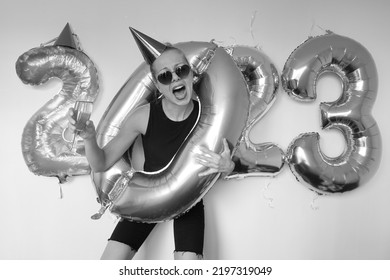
column 221, row 163
column 87, row 133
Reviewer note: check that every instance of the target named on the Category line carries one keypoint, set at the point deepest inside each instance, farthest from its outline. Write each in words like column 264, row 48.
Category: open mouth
column 179, row 91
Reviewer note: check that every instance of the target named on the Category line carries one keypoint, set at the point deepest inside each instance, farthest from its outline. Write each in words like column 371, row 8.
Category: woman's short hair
column 170, row 47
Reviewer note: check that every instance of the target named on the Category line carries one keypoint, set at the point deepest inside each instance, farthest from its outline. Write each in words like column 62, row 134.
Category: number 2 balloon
column 46, row 146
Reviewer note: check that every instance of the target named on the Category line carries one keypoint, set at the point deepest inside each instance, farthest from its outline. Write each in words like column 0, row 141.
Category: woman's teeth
column 178, row 88
column 179, row 91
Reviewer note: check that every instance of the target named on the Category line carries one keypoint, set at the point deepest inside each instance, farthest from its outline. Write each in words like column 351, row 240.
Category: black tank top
column 163, row 136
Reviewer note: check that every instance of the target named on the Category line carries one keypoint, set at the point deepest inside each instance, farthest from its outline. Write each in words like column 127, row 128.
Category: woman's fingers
column 205, row 173
column 225, row 146
column 208, row 164
column 208, row 158
column 89, row 130
column 215, row 162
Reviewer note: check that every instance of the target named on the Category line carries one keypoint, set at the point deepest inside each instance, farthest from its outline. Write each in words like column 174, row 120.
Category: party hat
column 66, row 38
column 150, row 48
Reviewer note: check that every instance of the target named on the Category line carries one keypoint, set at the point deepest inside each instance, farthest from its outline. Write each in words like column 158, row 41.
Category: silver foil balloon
column 256, row 159
column 350, row 114
column 137, row 90
column 45, row 146
column 163, row 195
column 234, row 91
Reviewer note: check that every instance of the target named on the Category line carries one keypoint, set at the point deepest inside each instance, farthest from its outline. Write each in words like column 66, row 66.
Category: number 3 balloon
column 351, row 113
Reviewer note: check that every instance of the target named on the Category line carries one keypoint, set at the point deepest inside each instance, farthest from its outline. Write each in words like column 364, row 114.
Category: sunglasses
column 181, row 71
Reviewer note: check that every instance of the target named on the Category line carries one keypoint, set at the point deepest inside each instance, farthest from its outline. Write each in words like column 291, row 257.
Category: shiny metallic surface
column 235, row 90
column 163, row 195
column 137, row 90
column 350, row 114
column 257, row 159
column 45, row 147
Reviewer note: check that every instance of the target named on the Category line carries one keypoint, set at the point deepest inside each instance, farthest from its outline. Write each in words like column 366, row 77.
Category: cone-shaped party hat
column 66, row 38
column 150, row 48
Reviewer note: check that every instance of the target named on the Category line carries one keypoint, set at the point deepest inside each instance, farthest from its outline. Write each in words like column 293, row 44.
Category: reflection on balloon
column 45, row 143
column 350, row 114
column 137, row 90
column 262, row 159
column 239, row 102
column 141, row 196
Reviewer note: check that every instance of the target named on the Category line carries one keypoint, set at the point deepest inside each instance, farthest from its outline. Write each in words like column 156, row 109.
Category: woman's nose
column 175, row 77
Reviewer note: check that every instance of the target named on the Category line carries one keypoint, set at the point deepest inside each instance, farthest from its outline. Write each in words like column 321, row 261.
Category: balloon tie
column 266, row 197
column 313, row 202
column 61, row 192
column 253, row 18
column 313, row 25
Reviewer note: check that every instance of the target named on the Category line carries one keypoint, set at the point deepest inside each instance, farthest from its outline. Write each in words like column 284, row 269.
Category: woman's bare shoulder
column 138, row 119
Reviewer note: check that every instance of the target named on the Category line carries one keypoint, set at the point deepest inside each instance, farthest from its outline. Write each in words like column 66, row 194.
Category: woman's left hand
column 216, row 163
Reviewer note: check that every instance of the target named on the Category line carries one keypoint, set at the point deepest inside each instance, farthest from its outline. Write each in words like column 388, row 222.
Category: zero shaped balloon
column 225, row 106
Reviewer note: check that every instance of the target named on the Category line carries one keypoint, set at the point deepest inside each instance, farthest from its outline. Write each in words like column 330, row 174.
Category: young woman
column 167, row 122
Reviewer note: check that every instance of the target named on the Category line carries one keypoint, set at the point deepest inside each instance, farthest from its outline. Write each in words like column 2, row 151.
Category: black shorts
column 188, row 230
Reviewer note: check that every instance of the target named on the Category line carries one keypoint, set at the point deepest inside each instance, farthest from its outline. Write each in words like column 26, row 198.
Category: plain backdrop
column 254, row 218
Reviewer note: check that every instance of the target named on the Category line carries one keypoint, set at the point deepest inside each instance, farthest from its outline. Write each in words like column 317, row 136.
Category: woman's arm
column 101, row 159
